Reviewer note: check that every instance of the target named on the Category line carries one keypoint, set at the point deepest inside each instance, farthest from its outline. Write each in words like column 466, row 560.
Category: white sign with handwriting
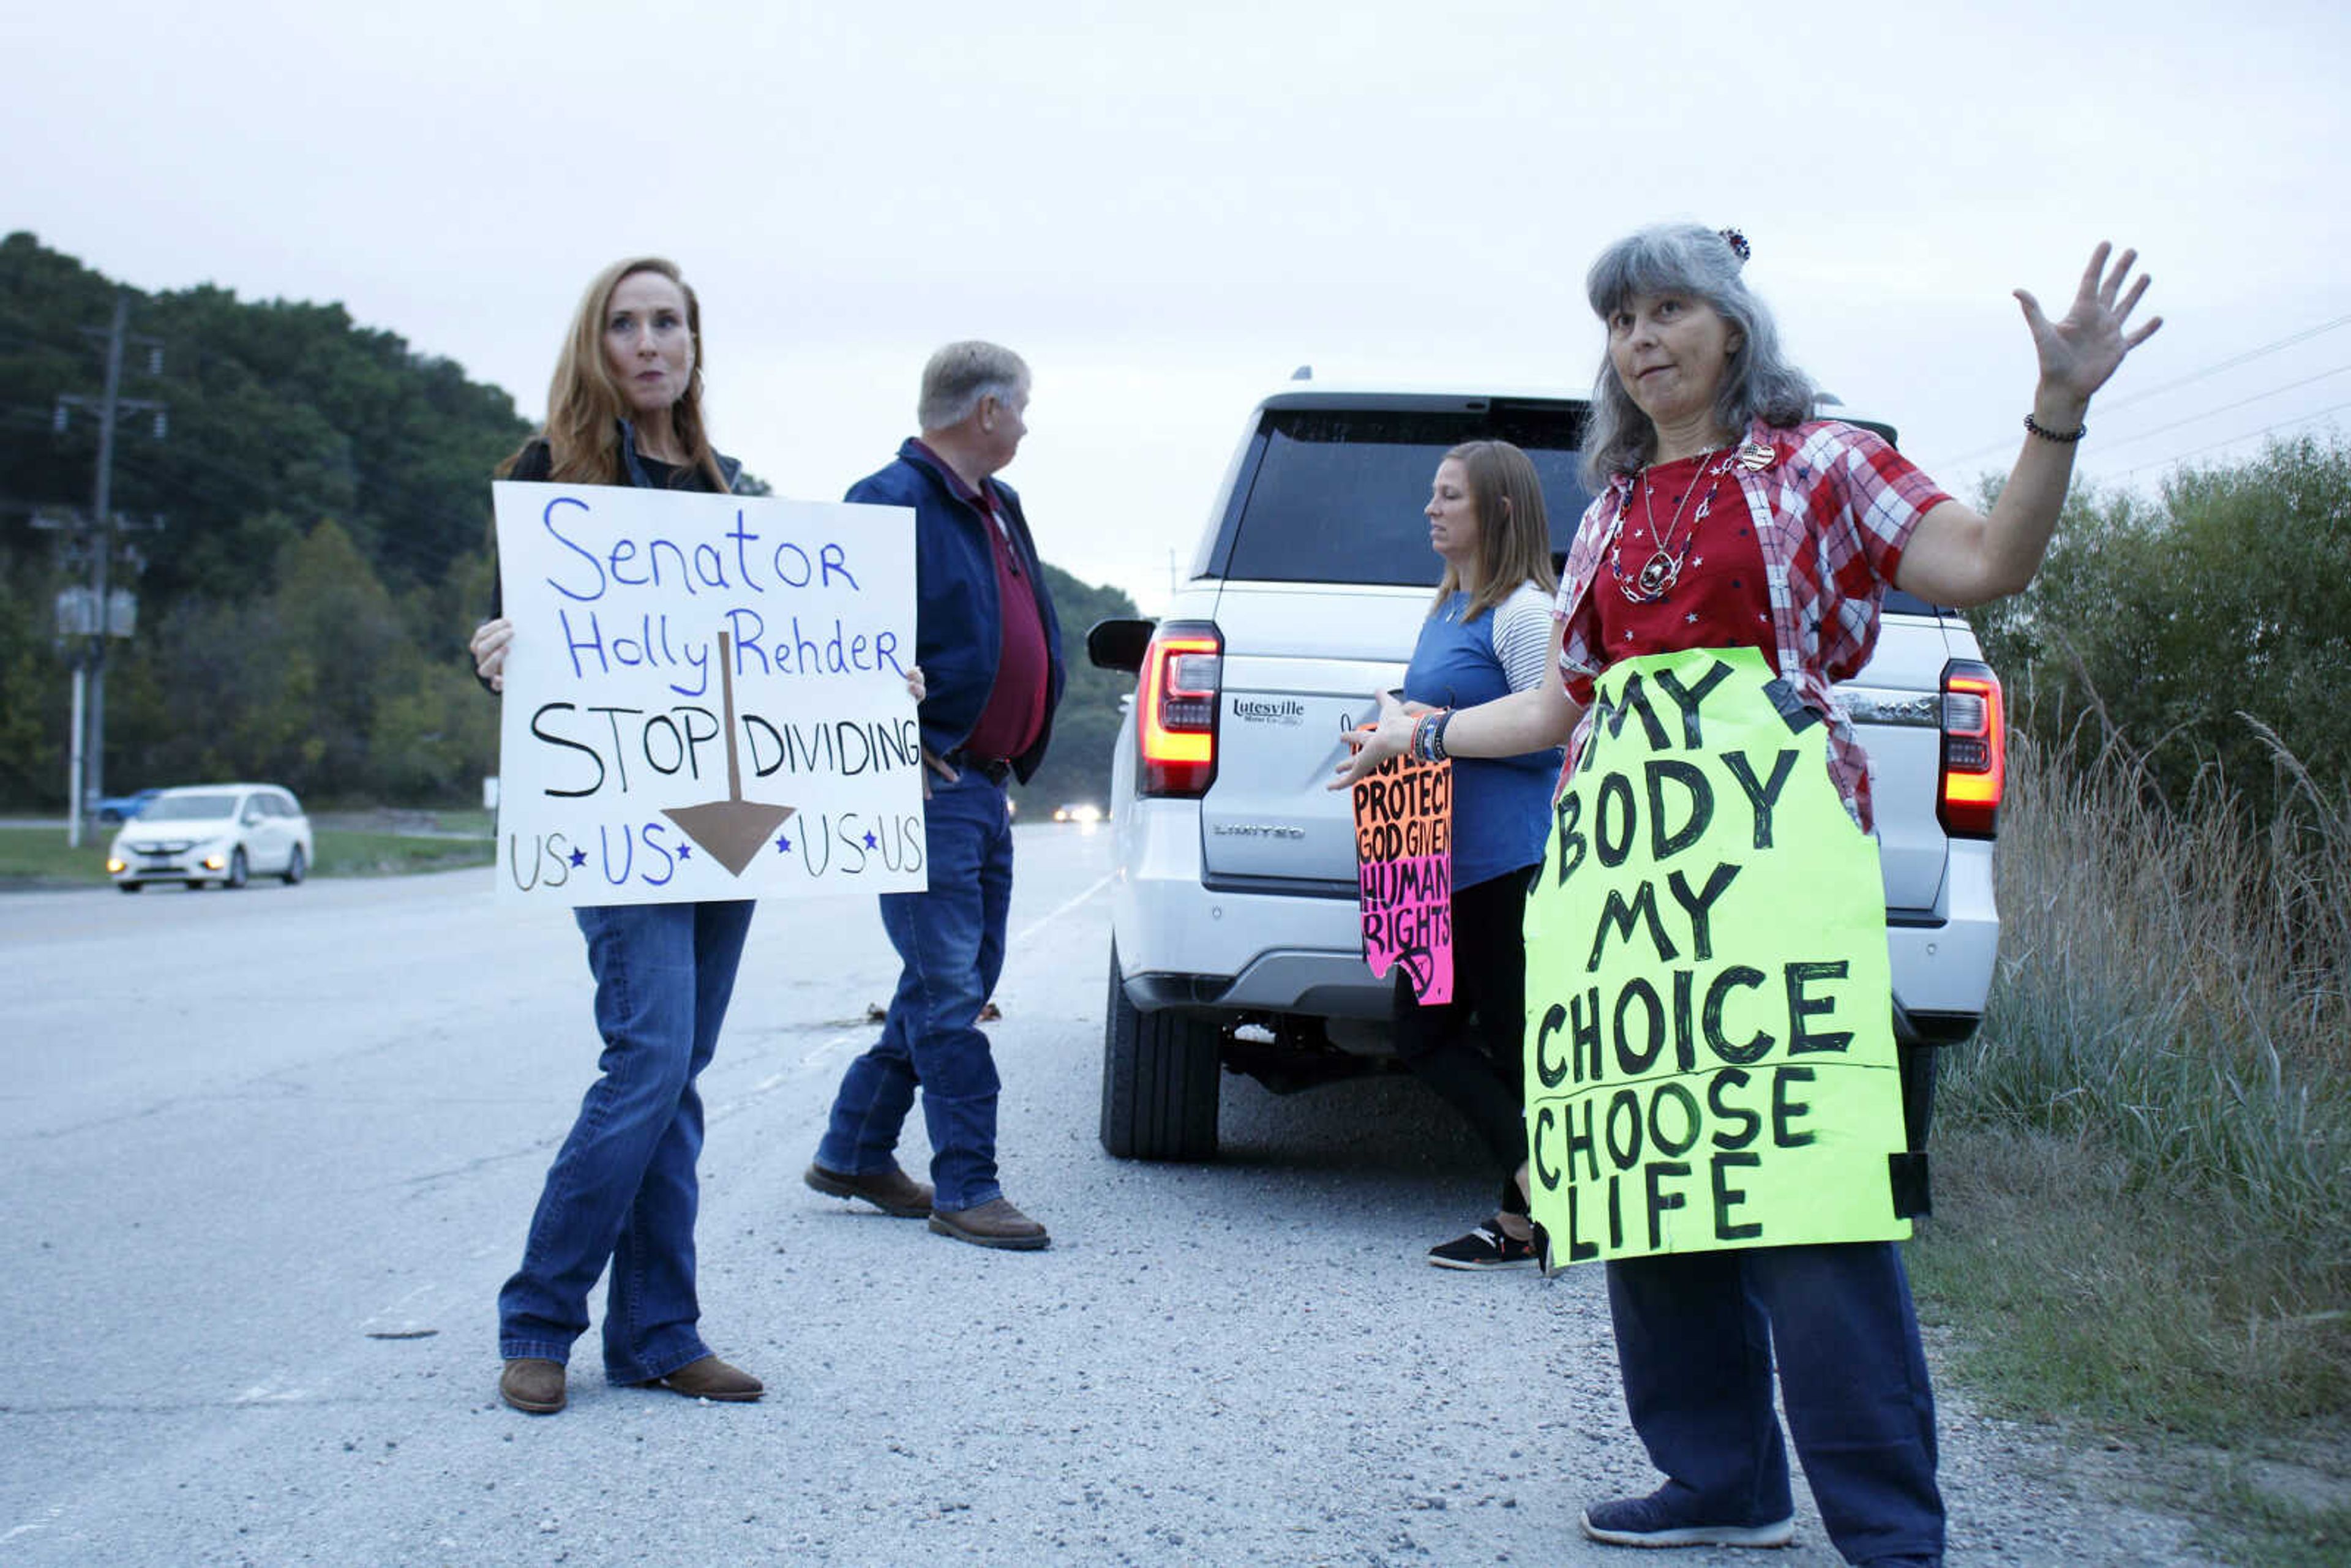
column 705, row 697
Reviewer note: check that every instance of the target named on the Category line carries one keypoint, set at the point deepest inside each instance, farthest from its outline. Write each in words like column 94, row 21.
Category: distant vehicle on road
column 217, row 834
column 1085, row 811
column 110, row 810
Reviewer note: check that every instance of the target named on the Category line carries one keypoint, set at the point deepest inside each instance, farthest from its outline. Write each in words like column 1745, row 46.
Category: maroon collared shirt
column 1015, row 715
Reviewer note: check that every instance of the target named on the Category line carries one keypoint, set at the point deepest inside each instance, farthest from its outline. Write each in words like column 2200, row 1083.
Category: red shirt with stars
column 1719, row 599
column 1832, row 507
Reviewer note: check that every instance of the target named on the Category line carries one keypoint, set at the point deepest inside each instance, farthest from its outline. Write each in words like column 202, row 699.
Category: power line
column 2228, row 407
column 2230, row 364
column 2231, row 440
column 2288, row 341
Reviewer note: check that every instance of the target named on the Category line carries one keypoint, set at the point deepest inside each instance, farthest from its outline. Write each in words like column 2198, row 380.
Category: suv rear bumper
column 1943, row 958
column 1188, row 944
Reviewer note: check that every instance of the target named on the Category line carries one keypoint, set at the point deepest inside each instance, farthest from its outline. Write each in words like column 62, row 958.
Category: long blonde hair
column 1513, row 530
column 585, row 404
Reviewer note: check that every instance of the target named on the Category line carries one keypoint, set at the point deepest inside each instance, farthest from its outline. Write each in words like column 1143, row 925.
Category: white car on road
column 220, row 833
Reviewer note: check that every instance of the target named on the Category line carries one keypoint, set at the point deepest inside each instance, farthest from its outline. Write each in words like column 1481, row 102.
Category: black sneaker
column 1657, row 1520
column 1488, row 1247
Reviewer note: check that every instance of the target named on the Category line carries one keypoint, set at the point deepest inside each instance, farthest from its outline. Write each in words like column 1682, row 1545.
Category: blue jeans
column 950, row 940
column 623, row 1186
column 1697, row 1333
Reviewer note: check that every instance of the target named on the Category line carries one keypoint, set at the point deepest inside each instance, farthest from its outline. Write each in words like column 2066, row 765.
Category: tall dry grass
column 2171, row 1004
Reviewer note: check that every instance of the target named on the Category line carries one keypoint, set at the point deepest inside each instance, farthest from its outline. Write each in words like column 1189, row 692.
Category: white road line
column 811, row 1057
column 826, row 1051
column 1034, row 927
column 54, row 1514
column 270, row 1394
column 410, row 1317
column 814, row 1057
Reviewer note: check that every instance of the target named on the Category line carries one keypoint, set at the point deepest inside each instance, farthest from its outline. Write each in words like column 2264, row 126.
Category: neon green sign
column 1710, row 1051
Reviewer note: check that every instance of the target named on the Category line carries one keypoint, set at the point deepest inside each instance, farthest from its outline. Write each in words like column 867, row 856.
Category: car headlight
column 116, row 865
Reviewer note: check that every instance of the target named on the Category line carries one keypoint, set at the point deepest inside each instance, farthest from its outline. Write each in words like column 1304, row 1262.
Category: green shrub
column 2160, row 622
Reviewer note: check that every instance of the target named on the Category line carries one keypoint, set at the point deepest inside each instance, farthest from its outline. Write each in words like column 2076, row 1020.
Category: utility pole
column 86, row 753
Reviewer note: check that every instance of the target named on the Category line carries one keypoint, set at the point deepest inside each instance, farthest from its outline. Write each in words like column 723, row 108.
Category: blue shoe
column 1658, row 1519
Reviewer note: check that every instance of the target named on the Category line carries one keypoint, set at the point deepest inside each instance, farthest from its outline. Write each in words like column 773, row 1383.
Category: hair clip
column 1738, row 244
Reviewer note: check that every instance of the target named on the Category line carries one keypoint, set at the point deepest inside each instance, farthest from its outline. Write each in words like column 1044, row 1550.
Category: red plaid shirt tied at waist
column 1833, row 508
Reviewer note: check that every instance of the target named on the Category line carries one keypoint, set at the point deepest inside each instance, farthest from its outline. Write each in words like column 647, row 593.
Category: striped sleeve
column 1522, row 636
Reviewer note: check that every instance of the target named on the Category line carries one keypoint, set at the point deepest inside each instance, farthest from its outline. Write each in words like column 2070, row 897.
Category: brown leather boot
column 995, row 1223
column 892, row 1191
column 711, row 1378
column 532, row 1385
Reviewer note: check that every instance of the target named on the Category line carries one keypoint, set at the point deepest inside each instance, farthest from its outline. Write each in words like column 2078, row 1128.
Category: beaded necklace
column 1658, row 574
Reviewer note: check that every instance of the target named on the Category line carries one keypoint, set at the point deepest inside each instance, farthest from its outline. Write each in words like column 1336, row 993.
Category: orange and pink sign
column 1404, row 871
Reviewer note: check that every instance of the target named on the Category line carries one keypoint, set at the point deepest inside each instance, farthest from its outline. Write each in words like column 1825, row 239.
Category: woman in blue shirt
column 1487, row 634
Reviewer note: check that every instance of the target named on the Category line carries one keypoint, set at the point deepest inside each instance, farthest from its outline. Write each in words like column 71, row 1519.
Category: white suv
column 1235, row 939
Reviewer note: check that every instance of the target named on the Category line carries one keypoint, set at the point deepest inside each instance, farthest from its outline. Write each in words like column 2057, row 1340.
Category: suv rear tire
column 1159, row 1080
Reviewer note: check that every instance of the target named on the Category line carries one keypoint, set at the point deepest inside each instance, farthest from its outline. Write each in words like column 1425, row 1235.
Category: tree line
column 2203, row 634
column 323, row 496
column 322, row 489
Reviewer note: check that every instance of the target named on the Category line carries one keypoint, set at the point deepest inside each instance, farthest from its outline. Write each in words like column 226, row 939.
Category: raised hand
column 2081, row 348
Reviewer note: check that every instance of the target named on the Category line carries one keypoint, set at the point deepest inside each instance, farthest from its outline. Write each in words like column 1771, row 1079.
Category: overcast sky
column 1167, row 209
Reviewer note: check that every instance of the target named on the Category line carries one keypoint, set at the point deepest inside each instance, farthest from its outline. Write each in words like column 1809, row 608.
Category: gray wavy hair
column 1696, row 262
column 960, row 375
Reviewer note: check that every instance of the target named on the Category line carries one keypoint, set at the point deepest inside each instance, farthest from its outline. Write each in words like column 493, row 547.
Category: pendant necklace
column 1664, row 568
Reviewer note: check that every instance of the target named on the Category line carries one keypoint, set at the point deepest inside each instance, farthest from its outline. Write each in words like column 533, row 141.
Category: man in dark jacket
column 990, row 652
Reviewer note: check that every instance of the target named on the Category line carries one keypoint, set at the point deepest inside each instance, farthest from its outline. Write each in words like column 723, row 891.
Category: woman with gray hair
column 1728, row 516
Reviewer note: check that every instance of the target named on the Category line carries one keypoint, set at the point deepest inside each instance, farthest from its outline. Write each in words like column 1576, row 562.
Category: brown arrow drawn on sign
column 734, row 830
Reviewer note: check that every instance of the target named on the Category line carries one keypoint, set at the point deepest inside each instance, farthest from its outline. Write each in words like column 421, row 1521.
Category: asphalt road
column 270, row 1154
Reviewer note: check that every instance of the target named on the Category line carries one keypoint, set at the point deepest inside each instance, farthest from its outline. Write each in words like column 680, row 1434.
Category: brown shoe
column 995, row 1223
column 532, row 1385
column 711, row 1378
column 892, row 1191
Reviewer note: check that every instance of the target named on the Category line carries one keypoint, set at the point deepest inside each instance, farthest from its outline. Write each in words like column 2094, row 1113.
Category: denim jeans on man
column 951, row 941
column 1697, row 1333
column 623, row 1187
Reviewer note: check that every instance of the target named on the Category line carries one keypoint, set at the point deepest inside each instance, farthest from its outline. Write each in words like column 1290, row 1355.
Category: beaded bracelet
column 2062, row 437
column 1428, row 736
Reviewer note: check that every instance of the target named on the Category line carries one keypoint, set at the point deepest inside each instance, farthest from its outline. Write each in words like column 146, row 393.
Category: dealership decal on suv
column 1288, row 711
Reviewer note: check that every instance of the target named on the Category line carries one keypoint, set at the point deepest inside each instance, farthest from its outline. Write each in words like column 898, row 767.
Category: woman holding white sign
column 1735, row 537
column 625, row 409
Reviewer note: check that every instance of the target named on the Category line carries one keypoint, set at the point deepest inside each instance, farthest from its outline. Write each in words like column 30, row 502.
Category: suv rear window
column 1336, row 494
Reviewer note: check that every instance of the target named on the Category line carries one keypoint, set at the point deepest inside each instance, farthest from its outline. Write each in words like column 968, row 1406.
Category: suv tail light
column 1975, row 751
column 1183, row 672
